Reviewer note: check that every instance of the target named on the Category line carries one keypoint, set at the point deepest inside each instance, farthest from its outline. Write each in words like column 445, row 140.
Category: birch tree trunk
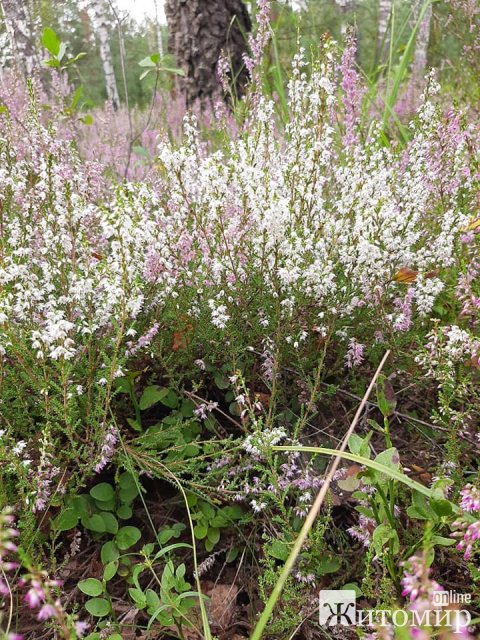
column 158, row 31
column 384, row 13
column 199, row 31
column 419, row 65
column 98, row 12
column 20, row 31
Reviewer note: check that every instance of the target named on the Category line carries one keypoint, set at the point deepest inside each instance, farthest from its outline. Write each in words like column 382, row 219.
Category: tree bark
column 199, row 30
column 419, row 65
column 98, row 12
column 20, row 31
column 384, row 13
column 158, row 31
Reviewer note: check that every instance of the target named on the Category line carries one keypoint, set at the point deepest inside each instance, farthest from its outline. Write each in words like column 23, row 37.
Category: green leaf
column 187, row 408
column 328, row 564
column 138, row 597
column 232, row 554
column 82, row 504
column 389, row 459
column 102, row 491
column 175, row 70
column 170, row 400
column 95, row 523
column 127, row 536
column 110, row 570
column 61, row 51
column 66, row 520
column 152, row 599
column 352, row 586
column 136, row 426
column 124, row 512
column 443, row 542
column 126, row 480
column 78, row 57
column 278, row 550
column 383, row 535
column 50, row 41
column 213, row 535
column 91, row 587
column 233, row 512
column 76, row 97
column 442, row 507
column 111, row 523
column 108, row 505
column 360, row 446
column 147, row 62
column 98, row 607
column 87, row 119
column 145, row 74
column 209, row 545
column 53, row 62
column 151, row 395
column 109, row 552
column 128, row 495
column 235, row 409
column 200, row 531
column 221, row 380
column 387, row 402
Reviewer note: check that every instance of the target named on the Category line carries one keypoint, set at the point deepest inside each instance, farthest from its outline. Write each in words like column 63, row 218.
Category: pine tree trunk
column 384, row 13
column 21, row 36
column 98, row 12
column 199, row 30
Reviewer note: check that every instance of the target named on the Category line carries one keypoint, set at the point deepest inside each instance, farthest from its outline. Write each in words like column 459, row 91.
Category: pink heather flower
column 143, row 341
column 353, row 92
column 34, row 597
column 203, row 410
column 404, row 308
column 419, row 634
column 44, row 477
column 223, row 71
column 108, row 449
column 260, row 41
column 470, row 533
column 362, row 530
column 417, row 584
column 47, row 611
column 81, row 628
column 355, row 354
column 14, row 636
column 470, row 498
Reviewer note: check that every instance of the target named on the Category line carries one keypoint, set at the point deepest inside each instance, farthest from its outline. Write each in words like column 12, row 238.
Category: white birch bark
column 98, row 13
column 384, row 13
column 21, row 35
column 158, row 31
column 419, row 65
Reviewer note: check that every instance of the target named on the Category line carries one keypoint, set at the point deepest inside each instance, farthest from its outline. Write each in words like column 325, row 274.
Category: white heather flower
column 256, row 443
column 258, row 506
column 19, row 447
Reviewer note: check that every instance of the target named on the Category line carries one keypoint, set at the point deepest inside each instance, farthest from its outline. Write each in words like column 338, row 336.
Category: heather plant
column 203, row 328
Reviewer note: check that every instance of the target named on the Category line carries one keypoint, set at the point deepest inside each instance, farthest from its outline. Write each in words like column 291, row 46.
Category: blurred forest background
column 447, row 40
